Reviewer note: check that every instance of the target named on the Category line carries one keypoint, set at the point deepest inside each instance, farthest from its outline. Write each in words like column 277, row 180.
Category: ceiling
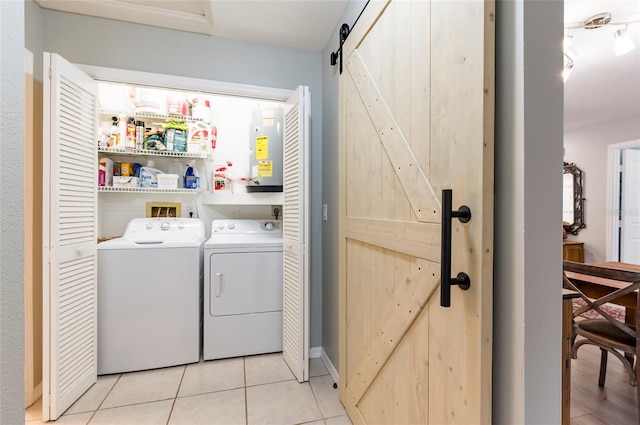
column 601, row 87
column 301, row 24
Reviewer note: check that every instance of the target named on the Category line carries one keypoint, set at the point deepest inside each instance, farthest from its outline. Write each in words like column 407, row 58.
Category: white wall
column 12, row 212
column 330, row 78
column 101, row 42
column 528, row 187
column 587, row 148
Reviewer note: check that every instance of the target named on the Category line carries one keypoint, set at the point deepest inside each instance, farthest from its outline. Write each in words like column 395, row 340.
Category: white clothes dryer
column 242, row 289
column 149, row 295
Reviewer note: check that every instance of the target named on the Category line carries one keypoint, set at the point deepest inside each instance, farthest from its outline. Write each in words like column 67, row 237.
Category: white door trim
column 613, row 188
column 184, row 83
column 31, row 388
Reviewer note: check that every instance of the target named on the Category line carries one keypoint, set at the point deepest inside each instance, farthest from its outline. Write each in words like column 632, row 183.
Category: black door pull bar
column 446, row 281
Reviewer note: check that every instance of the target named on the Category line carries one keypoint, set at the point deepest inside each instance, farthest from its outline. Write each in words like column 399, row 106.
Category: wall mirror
column 572, row 200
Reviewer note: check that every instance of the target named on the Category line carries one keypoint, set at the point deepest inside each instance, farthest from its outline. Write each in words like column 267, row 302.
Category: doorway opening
column 623, row 202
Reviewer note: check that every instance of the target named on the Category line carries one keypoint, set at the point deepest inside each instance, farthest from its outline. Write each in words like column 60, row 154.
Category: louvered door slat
column 295, row 235
column 70, row 162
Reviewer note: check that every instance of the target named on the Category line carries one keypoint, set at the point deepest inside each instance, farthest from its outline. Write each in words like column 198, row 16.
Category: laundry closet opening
column 177, row 160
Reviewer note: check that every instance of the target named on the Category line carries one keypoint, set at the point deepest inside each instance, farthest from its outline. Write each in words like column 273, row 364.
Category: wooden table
column 596, row 287
column 593, row 287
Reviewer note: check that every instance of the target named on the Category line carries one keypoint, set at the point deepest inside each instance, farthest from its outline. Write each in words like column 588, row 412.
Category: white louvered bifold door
column 295, row 323
column 69, row 235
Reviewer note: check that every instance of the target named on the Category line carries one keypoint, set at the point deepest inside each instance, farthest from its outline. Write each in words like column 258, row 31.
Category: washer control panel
column 143, row 230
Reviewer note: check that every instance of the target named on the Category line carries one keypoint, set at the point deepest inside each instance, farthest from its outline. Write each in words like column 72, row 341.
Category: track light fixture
column 568, row 40
column 568, row 66
column 622, row 41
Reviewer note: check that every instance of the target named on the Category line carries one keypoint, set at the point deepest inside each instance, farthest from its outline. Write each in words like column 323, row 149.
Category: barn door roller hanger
column 343, row 33
column 462, row 279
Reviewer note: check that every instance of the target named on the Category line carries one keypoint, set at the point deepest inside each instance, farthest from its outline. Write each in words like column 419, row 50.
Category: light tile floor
column 252, row 390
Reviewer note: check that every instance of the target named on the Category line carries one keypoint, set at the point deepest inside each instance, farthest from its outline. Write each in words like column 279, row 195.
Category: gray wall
column 528, row 188
column 114, row 44
column 11, row 212
column 587, row 148
column 330, row 78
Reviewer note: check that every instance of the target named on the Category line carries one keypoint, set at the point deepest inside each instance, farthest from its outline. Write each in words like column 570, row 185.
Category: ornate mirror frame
column 578, row 200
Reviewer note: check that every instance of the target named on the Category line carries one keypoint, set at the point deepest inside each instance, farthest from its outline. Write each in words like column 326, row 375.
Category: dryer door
column 245, row 282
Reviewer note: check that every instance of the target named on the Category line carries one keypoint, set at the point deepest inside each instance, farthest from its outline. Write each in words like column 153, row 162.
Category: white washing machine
column 242, row 289
column 149, row 295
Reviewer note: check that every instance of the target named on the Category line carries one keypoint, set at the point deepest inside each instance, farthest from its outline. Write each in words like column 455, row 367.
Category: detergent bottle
column 199, row 137
column 148, row 175
column 191, row 178
column 176, row 167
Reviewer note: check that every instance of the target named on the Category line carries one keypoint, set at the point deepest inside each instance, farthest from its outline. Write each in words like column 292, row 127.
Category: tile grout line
column 104, row 399
column 267, row 383
column 184, row 372
column 246, row 401
column 315, row 397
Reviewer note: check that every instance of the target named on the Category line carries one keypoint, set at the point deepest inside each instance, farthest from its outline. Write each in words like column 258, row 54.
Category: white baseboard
column 315, row 352
column 327, row 363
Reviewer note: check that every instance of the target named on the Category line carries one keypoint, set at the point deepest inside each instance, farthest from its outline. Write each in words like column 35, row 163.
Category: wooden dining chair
column 610, row 335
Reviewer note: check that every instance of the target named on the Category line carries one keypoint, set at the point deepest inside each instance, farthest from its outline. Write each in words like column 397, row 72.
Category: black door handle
column 446, row 281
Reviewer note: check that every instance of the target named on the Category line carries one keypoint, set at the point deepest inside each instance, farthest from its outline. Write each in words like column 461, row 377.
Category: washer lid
column 123, row 243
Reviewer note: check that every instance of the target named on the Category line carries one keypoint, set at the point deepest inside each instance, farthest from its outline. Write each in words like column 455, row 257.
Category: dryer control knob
column 180, row 225
column 149, row 226
column 165, row 226
column 269, row 225
column 220, row 226
column 231, row 226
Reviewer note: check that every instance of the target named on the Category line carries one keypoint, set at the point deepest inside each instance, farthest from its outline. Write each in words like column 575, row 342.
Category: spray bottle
column 191, row 178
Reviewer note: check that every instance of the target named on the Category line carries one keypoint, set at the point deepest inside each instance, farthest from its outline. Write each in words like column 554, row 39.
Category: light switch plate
column 324, row 212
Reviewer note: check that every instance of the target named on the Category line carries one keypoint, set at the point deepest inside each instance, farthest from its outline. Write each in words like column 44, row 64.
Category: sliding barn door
column 416, row 117
column 295, row 321
column 69, row 235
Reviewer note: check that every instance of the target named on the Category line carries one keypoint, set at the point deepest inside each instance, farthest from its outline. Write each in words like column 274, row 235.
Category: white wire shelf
column 166, row 154
column 146, row 190
column 150, row 115
column 256, row 198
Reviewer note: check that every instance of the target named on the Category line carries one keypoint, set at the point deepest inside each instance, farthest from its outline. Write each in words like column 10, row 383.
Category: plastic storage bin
column 167, row 181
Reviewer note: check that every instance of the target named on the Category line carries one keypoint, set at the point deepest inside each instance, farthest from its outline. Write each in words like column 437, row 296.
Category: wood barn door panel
column 405, row 375
column 416, row 116
column 365, row 158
